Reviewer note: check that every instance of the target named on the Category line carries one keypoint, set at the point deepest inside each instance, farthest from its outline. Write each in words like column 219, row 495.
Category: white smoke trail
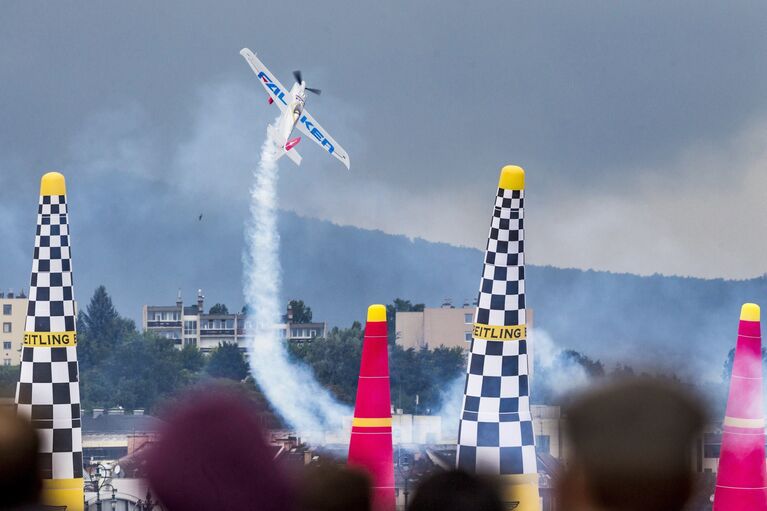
column 452, row 402
column 291, row 389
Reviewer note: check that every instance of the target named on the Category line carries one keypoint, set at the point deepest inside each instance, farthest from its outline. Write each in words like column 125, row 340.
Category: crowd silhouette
column 631, row 445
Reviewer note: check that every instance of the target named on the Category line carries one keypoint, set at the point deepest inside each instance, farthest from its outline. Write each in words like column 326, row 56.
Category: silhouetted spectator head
column 456, row 491
column 632, row 444
column 335, row 488
column 20, row 480
column 212, row 455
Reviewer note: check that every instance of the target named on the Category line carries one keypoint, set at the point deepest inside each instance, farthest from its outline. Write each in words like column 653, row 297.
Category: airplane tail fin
column 291, row 153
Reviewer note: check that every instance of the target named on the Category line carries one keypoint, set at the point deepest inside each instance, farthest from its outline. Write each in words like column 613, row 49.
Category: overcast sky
column 642, row 125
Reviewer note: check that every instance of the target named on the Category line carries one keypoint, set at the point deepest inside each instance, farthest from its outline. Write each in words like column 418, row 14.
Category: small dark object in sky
column 200, row 217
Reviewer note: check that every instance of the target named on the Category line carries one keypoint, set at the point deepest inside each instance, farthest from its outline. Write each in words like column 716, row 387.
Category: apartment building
column 191, row 325
column 433, row 327
column 439, row 326
column 13, row 316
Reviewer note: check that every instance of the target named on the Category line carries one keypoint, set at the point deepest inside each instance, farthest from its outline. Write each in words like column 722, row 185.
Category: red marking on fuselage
column 292, row 143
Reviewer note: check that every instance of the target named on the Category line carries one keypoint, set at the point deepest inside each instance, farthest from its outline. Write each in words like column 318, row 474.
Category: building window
column 7, row 345
column 7, row 309
column 467, row 318
column 6, row 328
column 190, row 327
column 467, row 336
column 6, row 361
column 190, row 342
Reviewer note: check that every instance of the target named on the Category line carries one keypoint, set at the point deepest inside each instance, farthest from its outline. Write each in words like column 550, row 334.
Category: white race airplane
column 294, row 114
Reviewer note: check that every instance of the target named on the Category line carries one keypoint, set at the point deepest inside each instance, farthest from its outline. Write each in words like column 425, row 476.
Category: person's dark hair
column 632, row 443
column 212, row 455
column 456, row 491
column 20, row 480
column 332, row 487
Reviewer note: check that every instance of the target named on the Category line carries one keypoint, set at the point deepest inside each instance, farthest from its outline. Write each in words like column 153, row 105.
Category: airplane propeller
column 299, row 78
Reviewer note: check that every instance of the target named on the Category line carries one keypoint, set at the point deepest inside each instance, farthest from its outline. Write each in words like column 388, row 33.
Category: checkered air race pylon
column 741, row 480
column 371, row 443
column 496, row 428
column 48, row 392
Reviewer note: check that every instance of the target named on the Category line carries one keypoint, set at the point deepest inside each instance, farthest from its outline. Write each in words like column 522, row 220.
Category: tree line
column 122, row 366
column 418, row 377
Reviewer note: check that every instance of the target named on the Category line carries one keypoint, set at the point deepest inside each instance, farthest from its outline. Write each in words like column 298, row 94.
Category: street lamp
column 100, row 477
column 405, row 469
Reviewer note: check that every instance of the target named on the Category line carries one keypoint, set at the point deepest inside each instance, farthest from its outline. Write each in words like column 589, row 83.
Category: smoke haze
column 291, row 389
column 562, row 374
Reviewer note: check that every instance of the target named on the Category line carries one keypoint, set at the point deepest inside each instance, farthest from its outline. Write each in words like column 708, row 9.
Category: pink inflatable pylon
column 741, row 481
column 370, row 447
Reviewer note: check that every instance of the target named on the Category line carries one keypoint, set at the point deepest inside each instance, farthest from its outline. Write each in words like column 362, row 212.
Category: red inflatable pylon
column 371, row 443
column 741, row 481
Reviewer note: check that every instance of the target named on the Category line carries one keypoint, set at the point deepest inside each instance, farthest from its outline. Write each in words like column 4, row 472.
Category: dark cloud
column 578, row 88
column 154, row 117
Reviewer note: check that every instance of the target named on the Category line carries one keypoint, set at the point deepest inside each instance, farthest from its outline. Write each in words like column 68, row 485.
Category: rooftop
column 120, row 424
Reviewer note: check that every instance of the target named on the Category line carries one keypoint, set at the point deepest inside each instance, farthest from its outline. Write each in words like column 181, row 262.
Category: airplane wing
column 273, row 87
column 313, row 130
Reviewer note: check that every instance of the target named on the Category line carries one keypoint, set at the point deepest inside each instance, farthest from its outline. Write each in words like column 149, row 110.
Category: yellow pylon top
column 377, row 312
column 750, row 312
column 53, row 183
column 512, row 178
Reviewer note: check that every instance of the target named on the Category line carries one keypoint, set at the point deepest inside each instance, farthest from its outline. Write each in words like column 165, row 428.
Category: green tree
column 335, row 360
column 100, row 330
column 227, row 361
column 594, row 368
column 219, row 308
column 302, row 313
column 423, row 373
column 9, row 376
column 192, row 359
column 407, row 378
column 141, row 371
